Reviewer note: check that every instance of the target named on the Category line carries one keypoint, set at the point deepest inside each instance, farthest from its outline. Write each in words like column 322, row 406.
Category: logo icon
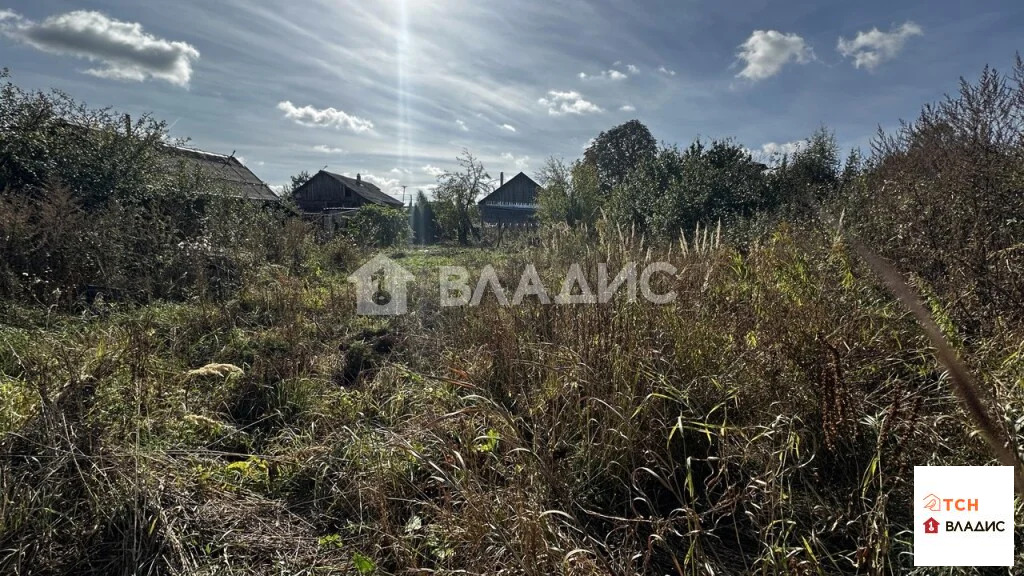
column 963, row 516
column 381, row 287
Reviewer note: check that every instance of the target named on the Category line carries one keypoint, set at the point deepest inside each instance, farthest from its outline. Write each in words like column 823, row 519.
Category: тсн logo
column 936, row 504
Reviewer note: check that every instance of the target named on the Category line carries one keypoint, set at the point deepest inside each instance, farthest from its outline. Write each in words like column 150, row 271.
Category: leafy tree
column 618, row 151
column 810, row 176
column 705, row 183
column 569, row 193
column 296, row 181
column 458, row 191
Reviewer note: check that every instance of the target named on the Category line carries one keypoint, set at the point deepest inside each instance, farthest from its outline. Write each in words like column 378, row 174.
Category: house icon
column 381, row 287
column 931, row 526
column 931, row 502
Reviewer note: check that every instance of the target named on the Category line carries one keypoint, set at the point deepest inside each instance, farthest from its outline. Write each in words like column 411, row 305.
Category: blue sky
column 395, row 89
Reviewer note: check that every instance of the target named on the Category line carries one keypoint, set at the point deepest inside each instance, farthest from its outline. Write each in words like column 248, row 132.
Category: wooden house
column 327, row 191
column 331, row 198
column 513, row 203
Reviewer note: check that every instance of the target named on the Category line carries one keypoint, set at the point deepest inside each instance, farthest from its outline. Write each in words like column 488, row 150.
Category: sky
column 396, row 89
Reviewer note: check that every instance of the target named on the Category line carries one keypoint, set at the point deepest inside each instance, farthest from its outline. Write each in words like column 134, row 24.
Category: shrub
column 379, row 226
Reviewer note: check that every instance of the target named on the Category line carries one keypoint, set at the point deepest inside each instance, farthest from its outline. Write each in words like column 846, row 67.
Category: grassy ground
column 765, row 422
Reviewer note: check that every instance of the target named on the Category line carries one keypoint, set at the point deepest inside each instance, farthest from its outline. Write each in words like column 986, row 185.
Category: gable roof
column 365, row 189
column 225, row 169
column 507, row 183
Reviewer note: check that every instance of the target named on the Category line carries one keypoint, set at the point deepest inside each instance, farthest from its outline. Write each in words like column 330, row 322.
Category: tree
column 459, row 191
column 651, row 197
column 706, row 183
column 422, row 220
column 810, row 176
column 618, row 151
column 297, row 181
column 569, row 194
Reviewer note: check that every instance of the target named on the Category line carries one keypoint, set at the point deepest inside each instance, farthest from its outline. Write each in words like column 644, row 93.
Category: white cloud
column 432, row 171
column 400, row 171
column 389, row 185
column 508, row 127
column 241, row 159
column 666, row 71
column 871, row 48
column 604, row 75
column 462, row 125
column 561, row 103
column 627, row 108
column 522, row 163
column 123, row 49
column 773, row 151
column 767, row 51
column 632, row 69
column 324, row 149
column 309, row 116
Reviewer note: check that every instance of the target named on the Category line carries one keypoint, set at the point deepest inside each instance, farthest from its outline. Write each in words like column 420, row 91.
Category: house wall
column 322, row 192
column 515, row 202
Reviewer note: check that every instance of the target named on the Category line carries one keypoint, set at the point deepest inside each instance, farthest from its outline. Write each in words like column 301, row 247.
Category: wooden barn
column 513, row 203
column 239, row 181
column 327, row 191
column 331, row 198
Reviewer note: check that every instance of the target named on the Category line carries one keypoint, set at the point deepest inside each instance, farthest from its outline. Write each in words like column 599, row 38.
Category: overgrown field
column 767, row 421
column 185, row 387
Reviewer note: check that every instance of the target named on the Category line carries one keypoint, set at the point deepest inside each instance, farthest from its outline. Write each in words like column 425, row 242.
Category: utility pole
column 403, row 195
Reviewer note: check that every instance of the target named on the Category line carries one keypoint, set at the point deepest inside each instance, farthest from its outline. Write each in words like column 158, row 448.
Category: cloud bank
column 123, row 49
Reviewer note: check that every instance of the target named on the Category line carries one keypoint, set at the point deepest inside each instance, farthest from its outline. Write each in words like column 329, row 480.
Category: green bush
column 379, row 226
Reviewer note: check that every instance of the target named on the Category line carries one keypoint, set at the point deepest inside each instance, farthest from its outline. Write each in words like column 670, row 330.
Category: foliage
column 91, row 206
column 380, row 226
column 942, row 197
column 423, row 220
column 765, row 421
column 810, row 177
column 569, row 194
column 297, row 181
column 616, row 152
column 48, row 139
column 457, row 193
column 675, row 191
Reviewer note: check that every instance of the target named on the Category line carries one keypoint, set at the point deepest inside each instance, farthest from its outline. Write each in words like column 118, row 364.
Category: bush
column 379, row 226
column 88, row 202
column 942, row 198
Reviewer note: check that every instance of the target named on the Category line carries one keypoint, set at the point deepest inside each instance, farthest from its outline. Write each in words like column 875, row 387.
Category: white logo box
column 963, row 516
